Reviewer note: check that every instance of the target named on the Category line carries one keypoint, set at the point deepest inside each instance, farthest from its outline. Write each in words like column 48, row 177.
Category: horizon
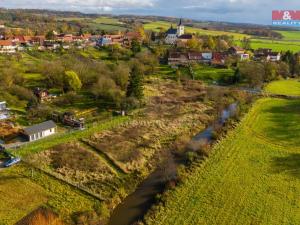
column 232, row 11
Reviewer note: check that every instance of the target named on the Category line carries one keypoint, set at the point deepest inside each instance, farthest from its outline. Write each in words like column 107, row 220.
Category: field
column 19, row 196
column 290, row 35
column 284, row 87
column 276, row 45
column 251, row 177
column 156, row 26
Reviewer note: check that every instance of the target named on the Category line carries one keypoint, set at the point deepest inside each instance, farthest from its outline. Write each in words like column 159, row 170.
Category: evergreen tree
column 135, row 46
column 135, row 87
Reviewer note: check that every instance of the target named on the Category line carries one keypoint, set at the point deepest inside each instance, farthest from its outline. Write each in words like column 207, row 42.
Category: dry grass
column 41, row 216
column 172, row 109
column 77, row 165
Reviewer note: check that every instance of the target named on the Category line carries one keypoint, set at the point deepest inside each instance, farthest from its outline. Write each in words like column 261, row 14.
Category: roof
column 193, row 55
column 39, row 127
column 171, row 31
column 237, row 48
column 186, row 36
column 6, row 43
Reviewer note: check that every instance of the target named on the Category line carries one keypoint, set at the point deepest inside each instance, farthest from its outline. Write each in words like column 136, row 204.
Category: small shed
column 2, row 106
column 40, row 131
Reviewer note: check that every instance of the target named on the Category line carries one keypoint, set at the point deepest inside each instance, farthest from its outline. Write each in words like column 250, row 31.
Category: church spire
column 180, row 22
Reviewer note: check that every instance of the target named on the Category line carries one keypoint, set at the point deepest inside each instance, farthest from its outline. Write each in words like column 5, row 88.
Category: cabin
column 40, row 131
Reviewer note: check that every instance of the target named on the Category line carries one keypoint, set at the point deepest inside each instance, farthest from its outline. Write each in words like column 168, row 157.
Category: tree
column 72, row 81
column 246, row 43
column 135, row 86
column 253, row 73
column 50, row 35
column 135, row 46
column 211, row 44
column 194, row 44
column 178, row 75
column 283, row 69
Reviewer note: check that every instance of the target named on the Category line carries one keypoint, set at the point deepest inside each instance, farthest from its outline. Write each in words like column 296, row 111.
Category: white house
column 172, row 34
column 274, row 56
column 207, row 56
column 7, row 47
column 40, row 131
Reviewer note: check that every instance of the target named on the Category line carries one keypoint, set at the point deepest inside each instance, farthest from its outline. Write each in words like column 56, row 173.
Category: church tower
column 180, row 28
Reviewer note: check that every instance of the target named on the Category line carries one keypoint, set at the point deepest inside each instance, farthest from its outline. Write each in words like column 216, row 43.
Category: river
column 136, row 205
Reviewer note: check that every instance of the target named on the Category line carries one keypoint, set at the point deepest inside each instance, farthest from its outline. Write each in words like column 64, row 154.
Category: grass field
column 284, row 87
column 155, row 26
column 276, row 45
column 19, row 196
column 252, row 176
column 290, row 35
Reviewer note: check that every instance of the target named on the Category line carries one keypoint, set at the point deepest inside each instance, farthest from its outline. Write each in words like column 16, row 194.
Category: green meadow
column 290, row 35
column 284, row 87
column 276, row 45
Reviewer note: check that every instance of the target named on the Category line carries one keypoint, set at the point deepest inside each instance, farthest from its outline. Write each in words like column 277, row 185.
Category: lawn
column 284, row 87
column 19, row 196
column 211, row 74
column 252, row 176
column 155, row 26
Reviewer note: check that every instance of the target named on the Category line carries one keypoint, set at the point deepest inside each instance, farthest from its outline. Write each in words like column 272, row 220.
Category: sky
column 244, row 11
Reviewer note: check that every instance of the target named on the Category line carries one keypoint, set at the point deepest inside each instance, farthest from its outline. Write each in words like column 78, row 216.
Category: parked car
column 12, row 162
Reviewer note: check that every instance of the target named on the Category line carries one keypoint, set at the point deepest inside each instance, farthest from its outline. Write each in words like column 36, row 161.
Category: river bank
column 135, row 206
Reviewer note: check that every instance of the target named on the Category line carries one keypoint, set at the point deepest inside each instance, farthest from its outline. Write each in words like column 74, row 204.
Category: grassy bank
column 252, row 177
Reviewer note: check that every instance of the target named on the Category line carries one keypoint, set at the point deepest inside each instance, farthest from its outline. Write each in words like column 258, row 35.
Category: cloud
column 255, row 11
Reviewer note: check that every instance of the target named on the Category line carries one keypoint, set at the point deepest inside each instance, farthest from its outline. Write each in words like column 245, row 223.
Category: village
column 115, row 119
column 179, row 54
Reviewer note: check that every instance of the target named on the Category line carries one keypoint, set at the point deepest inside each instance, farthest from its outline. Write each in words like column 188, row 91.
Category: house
column 40, row 131
column 183, row 39
column 236, row 50
column 41, row 94
column 7, row 47
column 244, row 56
column 267, row 54
column 207, row 56
column 195, row 56
column 107, row 40
column 178, row 58
column 274, row 56
column 172, row 34
column 218, row 59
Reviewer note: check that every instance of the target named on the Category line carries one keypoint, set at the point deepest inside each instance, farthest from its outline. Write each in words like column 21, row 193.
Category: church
column 174, row 33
